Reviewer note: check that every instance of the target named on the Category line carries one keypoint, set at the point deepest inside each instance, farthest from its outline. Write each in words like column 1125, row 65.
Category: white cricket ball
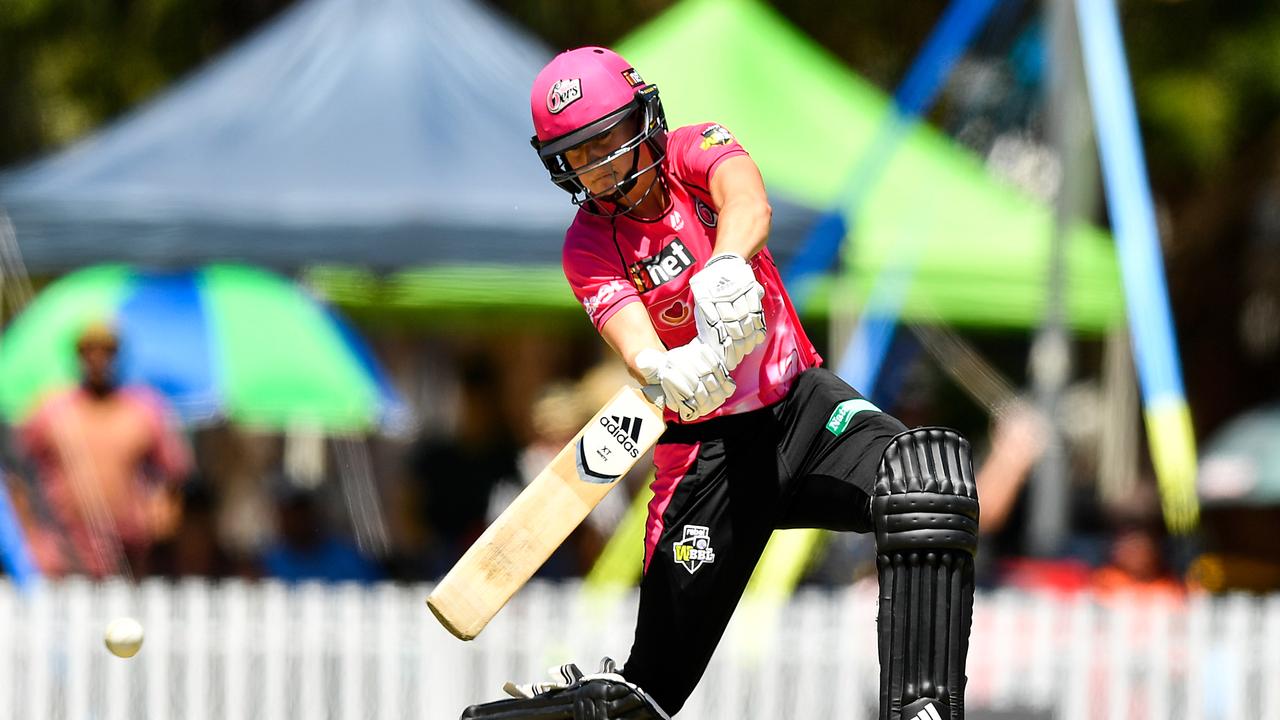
column 124, row 637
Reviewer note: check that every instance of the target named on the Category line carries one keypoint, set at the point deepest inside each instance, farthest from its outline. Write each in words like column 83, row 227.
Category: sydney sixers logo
column 706, row 215
column 677, row 313
column 563, row 94
column 602, row 297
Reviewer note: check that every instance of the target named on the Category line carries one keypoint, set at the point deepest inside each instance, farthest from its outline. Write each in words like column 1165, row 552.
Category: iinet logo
column 662, row 268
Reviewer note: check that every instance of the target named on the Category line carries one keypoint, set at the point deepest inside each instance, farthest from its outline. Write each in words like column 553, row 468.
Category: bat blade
column 522, row 538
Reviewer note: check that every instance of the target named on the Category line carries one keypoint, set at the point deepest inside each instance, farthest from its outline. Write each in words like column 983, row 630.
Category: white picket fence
column 245, row 651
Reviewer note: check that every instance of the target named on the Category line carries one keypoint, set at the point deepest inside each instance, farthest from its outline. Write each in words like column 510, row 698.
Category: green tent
column 980, row 247
column 808, row 120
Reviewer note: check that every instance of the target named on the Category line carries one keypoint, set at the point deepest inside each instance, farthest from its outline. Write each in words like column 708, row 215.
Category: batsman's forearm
column 743, row 226
column 629, row 332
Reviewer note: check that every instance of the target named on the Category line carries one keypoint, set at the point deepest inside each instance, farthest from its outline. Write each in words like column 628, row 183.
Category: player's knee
column 925, row 494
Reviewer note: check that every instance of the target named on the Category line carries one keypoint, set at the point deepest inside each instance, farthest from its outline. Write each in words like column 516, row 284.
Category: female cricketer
column 667, row 256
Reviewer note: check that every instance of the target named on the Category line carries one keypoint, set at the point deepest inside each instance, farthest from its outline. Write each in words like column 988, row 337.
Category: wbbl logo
column 695, row 548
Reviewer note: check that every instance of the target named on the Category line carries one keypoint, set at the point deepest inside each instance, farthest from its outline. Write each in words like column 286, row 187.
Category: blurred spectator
column 455, row 476
column 1239, row 487
column 306, row 548
column 1136, row 563
column 195, row 549
column 1017, row 442
column 108, row 463
column 1136, row 558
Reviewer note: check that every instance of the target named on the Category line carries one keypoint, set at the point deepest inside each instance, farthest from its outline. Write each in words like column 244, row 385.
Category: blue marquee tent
column 379, row 133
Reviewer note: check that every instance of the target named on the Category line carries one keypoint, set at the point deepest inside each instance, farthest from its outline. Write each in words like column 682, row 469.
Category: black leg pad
column 926, row 521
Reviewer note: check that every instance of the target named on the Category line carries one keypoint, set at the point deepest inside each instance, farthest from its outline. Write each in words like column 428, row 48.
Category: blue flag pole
column 870, row 342
column 14, row 551
column 1128, row 191
column 783, row 560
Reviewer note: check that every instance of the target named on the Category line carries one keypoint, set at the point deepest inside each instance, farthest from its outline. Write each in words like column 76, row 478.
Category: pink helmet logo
column 563, row 94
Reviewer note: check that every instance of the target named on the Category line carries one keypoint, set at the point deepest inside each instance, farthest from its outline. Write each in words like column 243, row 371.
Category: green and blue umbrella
column 221, row 342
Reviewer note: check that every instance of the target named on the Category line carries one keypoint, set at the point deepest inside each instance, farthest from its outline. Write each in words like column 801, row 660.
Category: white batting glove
column 727, row 311
column 693, row 378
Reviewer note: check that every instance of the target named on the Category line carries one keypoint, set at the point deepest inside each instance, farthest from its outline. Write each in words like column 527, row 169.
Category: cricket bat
column 545, row 513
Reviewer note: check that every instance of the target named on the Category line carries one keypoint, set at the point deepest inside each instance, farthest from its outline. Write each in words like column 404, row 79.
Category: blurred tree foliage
column 66, row 66
column 1208, row 82
column 1207, row 73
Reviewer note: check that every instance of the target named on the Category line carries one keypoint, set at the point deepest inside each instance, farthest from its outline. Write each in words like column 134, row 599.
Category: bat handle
column 653, row 393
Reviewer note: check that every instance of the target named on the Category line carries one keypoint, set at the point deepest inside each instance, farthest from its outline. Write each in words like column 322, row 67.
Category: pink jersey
column 611, row 262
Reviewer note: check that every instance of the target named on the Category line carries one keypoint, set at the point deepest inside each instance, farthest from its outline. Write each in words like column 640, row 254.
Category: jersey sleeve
column 694, row 151
column 599, row 282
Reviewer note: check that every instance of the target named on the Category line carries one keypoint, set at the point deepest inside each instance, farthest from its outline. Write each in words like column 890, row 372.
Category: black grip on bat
column 925, row 510
column 593, row 699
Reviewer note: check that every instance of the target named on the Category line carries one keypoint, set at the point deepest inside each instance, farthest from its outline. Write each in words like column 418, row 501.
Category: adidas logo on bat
column 628, row 425
column 625, row 430
column 930, row 712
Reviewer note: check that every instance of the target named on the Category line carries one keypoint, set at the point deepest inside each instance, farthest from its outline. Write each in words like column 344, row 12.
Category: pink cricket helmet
column 583, row 93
